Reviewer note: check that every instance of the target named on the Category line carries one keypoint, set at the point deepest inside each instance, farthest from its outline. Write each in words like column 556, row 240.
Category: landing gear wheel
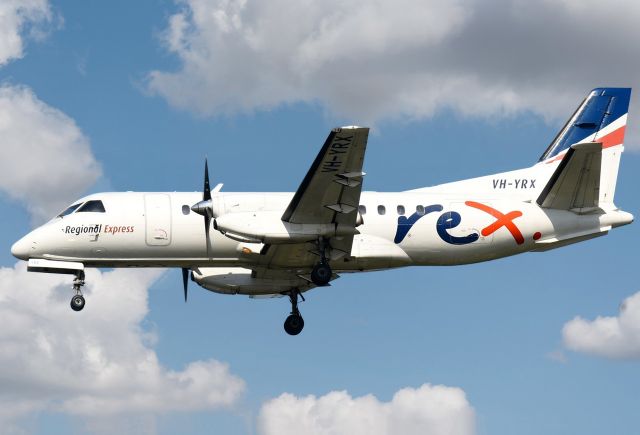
column 321, row 274
column 293, row 324
column 77, row 303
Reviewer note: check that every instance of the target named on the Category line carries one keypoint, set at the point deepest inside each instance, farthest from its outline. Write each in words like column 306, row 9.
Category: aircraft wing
column 329, row 193
column 575, row 184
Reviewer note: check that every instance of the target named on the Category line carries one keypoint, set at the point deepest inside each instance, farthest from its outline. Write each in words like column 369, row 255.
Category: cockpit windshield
column 95, row 206
column 69, row 210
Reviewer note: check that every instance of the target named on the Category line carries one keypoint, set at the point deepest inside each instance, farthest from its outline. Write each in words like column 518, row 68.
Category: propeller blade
column 207, row 224
column 185, row 281
column 206, row 192
column 205, row 207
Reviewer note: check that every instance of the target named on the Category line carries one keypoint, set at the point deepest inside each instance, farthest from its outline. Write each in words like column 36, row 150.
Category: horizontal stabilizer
column 569, row 239
column 575, row 184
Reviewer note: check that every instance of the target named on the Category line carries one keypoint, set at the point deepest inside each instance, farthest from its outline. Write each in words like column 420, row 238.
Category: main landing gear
column 321, row 272
column 294, row 323
column 77, row 301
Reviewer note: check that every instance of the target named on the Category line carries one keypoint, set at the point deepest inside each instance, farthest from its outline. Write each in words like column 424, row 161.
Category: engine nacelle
column 238, row 280
column 268, row 227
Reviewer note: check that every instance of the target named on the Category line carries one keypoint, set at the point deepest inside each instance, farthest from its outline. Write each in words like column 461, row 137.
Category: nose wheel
column 77, row 301
column 294, row 323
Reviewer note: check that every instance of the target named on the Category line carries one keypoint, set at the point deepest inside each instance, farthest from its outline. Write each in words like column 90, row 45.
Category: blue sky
column 148, row 104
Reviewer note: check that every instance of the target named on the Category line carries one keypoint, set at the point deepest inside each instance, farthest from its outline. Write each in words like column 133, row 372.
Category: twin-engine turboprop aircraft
column 285, row 244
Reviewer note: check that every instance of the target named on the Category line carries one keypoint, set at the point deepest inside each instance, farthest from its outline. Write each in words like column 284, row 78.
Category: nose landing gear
column 77, row 301
column 294, row 323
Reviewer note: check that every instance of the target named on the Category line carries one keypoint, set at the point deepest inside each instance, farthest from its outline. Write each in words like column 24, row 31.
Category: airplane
column 284, row 244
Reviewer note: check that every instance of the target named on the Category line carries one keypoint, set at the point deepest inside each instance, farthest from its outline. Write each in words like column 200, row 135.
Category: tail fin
column 586, row 176
column 602, row 113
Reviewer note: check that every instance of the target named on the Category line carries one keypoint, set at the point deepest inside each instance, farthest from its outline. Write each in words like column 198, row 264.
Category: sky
column 116, row 96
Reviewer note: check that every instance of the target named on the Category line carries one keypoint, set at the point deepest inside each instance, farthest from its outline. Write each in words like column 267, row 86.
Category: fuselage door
column 158, row 219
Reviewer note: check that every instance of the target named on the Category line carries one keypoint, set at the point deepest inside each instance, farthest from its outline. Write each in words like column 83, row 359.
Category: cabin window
column 186, row 210
column 70, row 209
column 401, row 210
column 362, row 209
column 381, row 210
column 94, row 206
column 420, row 210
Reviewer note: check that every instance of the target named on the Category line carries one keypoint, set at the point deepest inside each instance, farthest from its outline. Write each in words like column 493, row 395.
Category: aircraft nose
column 21, row 249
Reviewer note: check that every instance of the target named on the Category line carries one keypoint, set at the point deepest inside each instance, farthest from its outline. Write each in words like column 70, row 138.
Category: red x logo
column 502, row 220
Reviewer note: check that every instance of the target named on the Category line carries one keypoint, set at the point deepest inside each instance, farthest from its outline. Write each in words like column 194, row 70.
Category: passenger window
column 186, row 210
column 401, row 210
column 94, row 206
column 69, row 210
column 381, row 210
column 362, row 209
column 420, row 210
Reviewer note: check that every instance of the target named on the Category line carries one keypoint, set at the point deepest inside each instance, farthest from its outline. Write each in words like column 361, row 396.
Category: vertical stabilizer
column 600, row 119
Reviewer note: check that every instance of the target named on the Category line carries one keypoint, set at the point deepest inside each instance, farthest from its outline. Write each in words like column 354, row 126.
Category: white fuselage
column 463, row 222
column 158, row 229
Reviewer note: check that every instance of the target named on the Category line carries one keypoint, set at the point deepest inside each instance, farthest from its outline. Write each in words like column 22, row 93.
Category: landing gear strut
column 77, row 301
column 294, row 323
column 321, row 272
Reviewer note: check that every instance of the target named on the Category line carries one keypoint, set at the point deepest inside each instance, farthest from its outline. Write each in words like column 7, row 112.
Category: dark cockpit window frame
column 70, row 209
column 92, row 206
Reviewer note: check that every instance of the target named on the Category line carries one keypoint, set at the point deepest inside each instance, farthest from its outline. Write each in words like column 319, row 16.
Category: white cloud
column 429, row 409
column 15, row 15
column 611, row 337
column 97, row 363
column 387, row 59
column 240, row 55
column 46, row 159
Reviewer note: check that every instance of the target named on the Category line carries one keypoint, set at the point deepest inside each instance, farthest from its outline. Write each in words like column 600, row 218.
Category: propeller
column 185, row 281
column 204, row 207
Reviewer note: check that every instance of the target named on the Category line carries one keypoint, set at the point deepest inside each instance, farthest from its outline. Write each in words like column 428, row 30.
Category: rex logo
column 451, row 219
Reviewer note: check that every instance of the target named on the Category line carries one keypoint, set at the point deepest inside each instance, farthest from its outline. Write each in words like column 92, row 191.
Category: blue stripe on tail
column 599, row 109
